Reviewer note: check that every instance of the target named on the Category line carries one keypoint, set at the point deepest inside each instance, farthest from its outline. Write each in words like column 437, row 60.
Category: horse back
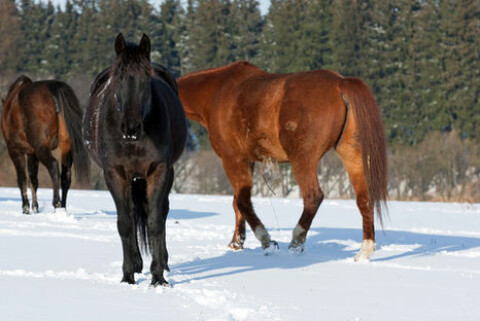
column 264, row 114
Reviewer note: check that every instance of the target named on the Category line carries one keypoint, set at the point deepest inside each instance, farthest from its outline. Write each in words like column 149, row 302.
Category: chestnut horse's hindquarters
column 363, row 138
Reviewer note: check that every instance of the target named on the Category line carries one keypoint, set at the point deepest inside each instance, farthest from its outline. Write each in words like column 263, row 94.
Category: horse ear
column 145, row 45
column 120, row 44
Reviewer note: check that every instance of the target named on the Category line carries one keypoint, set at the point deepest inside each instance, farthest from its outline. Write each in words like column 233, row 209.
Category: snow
column 67, row 265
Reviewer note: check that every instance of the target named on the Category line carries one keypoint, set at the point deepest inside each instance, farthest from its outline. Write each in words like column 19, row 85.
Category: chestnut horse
column 37, row 118
column 255, row 116
column 135, row 128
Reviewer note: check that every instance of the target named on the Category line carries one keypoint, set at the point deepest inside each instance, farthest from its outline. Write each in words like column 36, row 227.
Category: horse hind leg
column 47, row 159
column 352, row 160
column 32, row 161
column 305, row 173
column 18, row 160
column 66, row 176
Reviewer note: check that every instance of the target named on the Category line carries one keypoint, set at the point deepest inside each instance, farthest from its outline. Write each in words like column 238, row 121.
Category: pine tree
column 208, row 37
column 166, row 34
column 11, row 35
column 245, row 29
column 62, row 42
column 282, row 47
column 36, row 23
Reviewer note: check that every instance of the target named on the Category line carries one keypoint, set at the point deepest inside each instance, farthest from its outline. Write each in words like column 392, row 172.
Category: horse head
column 131, row 75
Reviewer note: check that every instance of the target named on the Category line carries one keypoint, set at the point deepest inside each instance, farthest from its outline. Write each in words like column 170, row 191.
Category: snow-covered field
column 58, row 266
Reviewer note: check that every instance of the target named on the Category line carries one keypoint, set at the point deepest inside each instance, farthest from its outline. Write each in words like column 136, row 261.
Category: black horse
column 135, row 128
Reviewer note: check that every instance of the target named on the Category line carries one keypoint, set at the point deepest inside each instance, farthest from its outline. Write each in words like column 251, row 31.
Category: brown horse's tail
column 359, row 98
column 68, row 103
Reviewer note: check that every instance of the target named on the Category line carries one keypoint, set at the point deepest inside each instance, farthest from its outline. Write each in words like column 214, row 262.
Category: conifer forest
column 420, row 57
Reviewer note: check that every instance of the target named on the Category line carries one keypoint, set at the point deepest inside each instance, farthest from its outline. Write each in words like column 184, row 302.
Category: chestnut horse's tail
column 359, row 99
column 67, row 102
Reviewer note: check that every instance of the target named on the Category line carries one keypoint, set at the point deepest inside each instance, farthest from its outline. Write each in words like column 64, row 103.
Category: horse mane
column 100, row 79
column 204, row 72
column 22, row 79
column 132, row 60
column 160, row 71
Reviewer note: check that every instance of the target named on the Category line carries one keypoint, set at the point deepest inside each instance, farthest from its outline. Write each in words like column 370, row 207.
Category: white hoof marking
column 366, row 251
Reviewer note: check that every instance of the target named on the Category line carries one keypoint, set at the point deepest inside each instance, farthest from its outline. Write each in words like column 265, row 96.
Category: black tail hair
column 68, row 103
column 139, row 196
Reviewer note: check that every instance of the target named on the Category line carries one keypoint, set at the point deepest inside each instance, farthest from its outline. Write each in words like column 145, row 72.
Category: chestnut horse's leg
column 352, row 160
column 18, row 159
column 305, row 172
column 47, row 159
column 240, row 175
column 239, row 235
column 120, row 191
column 66, row 176
column 33, row 173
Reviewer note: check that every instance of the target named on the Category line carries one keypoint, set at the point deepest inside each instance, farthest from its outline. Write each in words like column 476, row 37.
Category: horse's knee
column 125, row 227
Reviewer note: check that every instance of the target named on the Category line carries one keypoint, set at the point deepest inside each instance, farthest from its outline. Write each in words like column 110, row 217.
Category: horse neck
column 195, row 91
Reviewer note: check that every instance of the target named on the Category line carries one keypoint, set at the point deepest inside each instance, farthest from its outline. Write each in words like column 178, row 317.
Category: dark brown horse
column 37, row 118
column 254, row 116
column 135, row 128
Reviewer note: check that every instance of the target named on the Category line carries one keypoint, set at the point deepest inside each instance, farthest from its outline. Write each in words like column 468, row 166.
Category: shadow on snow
column 326, row 245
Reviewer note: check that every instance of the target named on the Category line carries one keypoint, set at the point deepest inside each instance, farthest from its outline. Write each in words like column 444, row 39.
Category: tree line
column 420, row 57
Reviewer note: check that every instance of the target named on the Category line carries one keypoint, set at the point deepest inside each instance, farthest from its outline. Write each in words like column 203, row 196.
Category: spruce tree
column 11, row 36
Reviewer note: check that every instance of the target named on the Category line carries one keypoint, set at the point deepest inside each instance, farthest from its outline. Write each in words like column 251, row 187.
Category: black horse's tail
column 139, row 196
column 67, row 102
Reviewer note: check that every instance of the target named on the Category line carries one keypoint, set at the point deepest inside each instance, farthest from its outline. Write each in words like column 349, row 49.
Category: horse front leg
column 157, row 230
column 120, row 190
column 239, row 174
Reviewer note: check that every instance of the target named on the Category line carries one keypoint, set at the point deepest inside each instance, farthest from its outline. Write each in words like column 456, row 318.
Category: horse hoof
column 236, row 246
column 128, row 279
column 296, row 247
column 26, row 210
column 271, row 248
column 35, row 209
column 366, row 251
column 159, row 281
